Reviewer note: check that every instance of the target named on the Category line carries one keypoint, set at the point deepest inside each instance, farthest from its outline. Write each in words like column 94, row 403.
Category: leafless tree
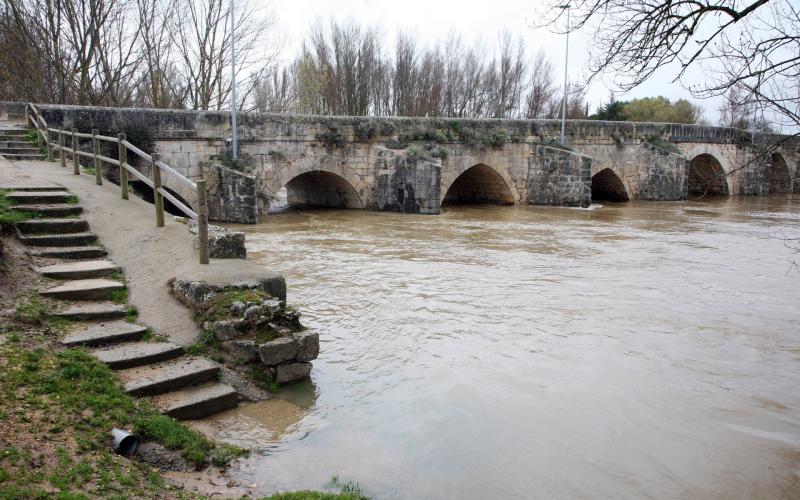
column 754, row 44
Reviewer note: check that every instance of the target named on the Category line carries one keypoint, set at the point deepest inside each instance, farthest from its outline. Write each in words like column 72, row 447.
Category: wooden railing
column 158, row 167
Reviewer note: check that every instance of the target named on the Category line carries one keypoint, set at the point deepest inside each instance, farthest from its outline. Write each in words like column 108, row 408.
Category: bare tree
column 751, row 43
column 542, row 86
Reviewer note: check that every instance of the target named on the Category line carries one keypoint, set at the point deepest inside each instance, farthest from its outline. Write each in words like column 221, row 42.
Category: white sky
column 430, row 20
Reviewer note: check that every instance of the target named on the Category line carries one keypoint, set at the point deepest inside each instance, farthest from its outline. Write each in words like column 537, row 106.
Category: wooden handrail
column 158, row 167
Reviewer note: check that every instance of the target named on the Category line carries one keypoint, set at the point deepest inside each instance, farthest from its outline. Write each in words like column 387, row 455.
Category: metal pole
column 202, row 221
column 234, row 138
column 566, row 62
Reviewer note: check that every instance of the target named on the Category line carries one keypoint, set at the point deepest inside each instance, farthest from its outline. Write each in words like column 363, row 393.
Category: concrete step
column 16, row 142
column 91, row 311
column 36, row 197
column 53, row 226
column 105, row 333
column 91, row 289
column 34, row 188
column 84, row 252
column 58, row 240
column 22, row 157
column 79, row 270
column 197, row 402
column 54, row 210
column 134, row 354
column 13, row 132
column 18, row 149
column 151, row 380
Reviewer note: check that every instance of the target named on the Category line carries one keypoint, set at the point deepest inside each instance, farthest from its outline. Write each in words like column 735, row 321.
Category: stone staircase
column 179, row 385
column 14, row 145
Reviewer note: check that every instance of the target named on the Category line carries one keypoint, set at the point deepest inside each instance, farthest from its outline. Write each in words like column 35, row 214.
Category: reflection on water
column 627, row 351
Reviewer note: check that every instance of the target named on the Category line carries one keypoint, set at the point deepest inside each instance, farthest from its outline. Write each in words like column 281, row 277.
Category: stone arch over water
column 778, row 175
column 707, row 177
column 607, row 186
column 479, row 184
column 320, row 188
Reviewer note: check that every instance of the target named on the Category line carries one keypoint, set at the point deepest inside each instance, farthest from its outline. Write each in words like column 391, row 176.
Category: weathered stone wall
column 12, row 111
column 231, row 194
column 406, row 184
column 358, row 150
column 559, row 177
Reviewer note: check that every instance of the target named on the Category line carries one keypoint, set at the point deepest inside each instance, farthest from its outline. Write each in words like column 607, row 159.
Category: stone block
column 291, row 372
column 243, row 351
column 277, row 351
column 307, row 346
column 226, row 329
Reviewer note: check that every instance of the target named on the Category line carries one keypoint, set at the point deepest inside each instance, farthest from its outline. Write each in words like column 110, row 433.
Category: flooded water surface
column 639, row 350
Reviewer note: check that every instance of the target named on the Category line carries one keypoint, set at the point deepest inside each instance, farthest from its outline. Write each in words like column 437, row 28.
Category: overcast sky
column 433, row 19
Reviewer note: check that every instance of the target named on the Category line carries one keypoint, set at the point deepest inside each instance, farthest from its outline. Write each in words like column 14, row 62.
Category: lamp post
column 234, row 138
column 566, row 7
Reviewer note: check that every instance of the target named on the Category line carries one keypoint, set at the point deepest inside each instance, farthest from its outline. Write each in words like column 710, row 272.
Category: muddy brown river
column 637, row 350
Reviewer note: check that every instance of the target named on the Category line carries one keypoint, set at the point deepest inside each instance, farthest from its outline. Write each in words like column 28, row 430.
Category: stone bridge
column 416, row 165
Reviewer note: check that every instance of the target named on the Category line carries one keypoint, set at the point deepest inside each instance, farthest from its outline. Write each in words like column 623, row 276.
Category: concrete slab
column 93, row 311
column 138, row 354
column 105, row 333
column 57, row 240
column 197, row 402
column 29, row 197
column 51, row 210
column 53, row 226
column 91, row 289
column 81, row 252
column 234, row 272
column 156, row 379
column 79, row 270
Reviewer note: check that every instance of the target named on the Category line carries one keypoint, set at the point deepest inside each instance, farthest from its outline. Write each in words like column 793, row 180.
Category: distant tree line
column 176, row 54
column 348, row 69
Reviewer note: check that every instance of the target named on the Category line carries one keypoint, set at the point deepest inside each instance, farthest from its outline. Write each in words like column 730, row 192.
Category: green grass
column 119, row 296
column 261, row 378
column 9, row 216
column 346, row 490
column 72, row 200
column 219, row 307
column 35, row 311
column 89, row 170
column 131, row 314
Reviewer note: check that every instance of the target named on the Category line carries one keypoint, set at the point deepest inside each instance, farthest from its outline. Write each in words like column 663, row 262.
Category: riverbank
column 58, row 404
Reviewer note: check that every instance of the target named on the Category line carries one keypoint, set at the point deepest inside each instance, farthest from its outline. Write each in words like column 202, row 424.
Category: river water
column 637, row 350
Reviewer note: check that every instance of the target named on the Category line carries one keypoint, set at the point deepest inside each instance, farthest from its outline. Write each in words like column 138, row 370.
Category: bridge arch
column 708, row 173
column 607, row 186
column 321, row 188
column 311, row 183
column 479, row 184
column 778, row 175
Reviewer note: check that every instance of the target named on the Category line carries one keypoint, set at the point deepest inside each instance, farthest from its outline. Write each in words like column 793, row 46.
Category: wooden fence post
column 123, row 159
column 202, row 220
column 76, row 168
column 28, row 115
column 49, row 145
column 98, row 167
column 61, row 148
column 157, row 196
column 39, row 135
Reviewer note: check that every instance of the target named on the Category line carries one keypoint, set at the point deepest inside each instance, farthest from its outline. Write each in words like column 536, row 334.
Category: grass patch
column 662, row 144
column 89, row 170
column 261, row 378
column 72, row 200
column 119, row 296
column 219, row 307
column 9, row 215
column 131, row 313
column 73, row 400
